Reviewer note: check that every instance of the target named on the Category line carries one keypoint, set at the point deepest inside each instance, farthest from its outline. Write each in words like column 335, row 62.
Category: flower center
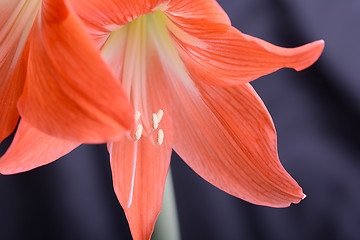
column 142, row 55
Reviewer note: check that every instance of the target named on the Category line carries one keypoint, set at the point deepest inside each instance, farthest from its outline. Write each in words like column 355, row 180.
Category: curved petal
column 208, row 10
column 16, row 19
column 219, row 54
column 12, row 83
column 140, row 192
column 31, row 149
column 227, row 136
column 70, row 92
column 140, row 167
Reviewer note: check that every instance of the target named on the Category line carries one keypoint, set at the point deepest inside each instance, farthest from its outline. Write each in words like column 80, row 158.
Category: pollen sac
column 137, row 116
column 160, row 115
column 138, row 132
column 155, row 121
column 160, row 137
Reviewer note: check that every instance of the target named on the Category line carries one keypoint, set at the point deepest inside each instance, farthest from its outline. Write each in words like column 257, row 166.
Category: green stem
column 167, row 224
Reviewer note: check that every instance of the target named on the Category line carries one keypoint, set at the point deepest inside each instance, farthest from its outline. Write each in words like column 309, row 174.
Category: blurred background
column 317, row 116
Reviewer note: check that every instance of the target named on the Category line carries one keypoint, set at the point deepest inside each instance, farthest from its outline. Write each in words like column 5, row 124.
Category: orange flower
column 186, row 70
column 50, row 65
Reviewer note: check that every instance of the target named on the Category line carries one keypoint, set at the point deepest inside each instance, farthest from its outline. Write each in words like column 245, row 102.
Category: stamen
column 137, row 116
column 160, row 137
column 155, row 121
column 138, row 132
column 160, row 114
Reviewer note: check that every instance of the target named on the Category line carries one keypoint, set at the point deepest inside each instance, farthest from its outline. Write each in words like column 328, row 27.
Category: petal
column 70, row 92
column 12, row 83
column 227, row 136
column 16, row 19
column 145, row 82
column 208, row 10
column 149, row 93
column 140, row 194
column 222, row 55
column 31, row 149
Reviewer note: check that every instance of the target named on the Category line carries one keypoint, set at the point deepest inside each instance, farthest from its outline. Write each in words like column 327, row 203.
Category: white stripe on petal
column 17, row 17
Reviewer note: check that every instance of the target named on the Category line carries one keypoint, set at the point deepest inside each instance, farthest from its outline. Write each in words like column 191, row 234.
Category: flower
column 186, row 71
column 48, row 66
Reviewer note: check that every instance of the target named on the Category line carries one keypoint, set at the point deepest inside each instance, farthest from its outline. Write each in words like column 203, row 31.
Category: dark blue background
column 317, row 115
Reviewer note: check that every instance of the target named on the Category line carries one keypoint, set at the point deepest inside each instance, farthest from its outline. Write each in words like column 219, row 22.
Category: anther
column 138, row 132
column 137, row 116
column 160, row 137
column 155, row 121
column 160, row 115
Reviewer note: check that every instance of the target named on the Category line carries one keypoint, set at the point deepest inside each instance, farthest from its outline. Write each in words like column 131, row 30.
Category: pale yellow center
column 129, row 51
column 19, row 17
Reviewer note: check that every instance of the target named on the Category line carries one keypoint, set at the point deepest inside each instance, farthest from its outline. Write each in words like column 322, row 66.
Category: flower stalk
column 167, row 224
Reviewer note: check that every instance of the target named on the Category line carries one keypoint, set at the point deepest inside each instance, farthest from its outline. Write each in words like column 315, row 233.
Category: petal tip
column 311, row 53
column 298, row 199
column 304, row 196
column 320, row 44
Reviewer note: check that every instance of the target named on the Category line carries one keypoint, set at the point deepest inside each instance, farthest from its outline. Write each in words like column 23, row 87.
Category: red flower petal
column 142, row 205
column 152, row 161
column 222, row 55
column 208, row 10
column 227, row 136
column 31, row 149
column 16, row 19
column 10, row 90
column 70, row 92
